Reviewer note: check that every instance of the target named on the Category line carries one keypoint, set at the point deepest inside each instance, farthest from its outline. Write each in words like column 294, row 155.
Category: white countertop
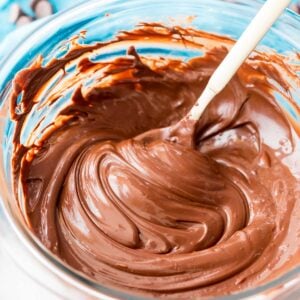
column 15, row 284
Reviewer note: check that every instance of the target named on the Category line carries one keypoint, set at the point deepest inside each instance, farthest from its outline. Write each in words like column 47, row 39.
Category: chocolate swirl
column 158, row 217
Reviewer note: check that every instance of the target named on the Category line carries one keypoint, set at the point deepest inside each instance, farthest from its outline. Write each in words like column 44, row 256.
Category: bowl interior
column 102, row 21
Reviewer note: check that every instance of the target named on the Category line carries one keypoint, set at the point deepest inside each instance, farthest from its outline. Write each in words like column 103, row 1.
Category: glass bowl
column 103, row 20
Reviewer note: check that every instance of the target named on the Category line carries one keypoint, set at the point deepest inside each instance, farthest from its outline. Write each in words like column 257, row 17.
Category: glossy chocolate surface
column 152, row 215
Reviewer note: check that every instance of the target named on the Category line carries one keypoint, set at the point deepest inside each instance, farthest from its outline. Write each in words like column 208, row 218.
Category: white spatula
column 259, row 26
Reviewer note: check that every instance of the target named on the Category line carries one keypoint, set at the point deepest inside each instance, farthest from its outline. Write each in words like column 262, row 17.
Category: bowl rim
column 37, row 249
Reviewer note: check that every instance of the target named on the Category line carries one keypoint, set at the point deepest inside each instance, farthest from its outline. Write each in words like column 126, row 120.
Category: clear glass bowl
column 227, row 18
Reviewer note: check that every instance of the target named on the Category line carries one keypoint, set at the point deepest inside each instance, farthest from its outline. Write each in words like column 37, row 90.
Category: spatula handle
column 258, row 27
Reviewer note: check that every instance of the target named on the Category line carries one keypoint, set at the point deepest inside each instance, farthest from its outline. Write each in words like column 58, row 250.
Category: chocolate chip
column 33, row 3
column 23, row 20
column 15, row 13
column 42, row 8
column 18, row 16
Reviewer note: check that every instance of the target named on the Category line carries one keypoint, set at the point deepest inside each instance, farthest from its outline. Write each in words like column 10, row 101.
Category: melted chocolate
column 146, row 213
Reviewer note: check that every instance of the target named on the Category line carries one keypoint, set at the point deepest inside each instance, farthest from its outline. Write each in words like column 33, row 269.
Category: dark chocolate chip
column 42, row 8
column 15, row 13
column 33, row 3
column 23, row 20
